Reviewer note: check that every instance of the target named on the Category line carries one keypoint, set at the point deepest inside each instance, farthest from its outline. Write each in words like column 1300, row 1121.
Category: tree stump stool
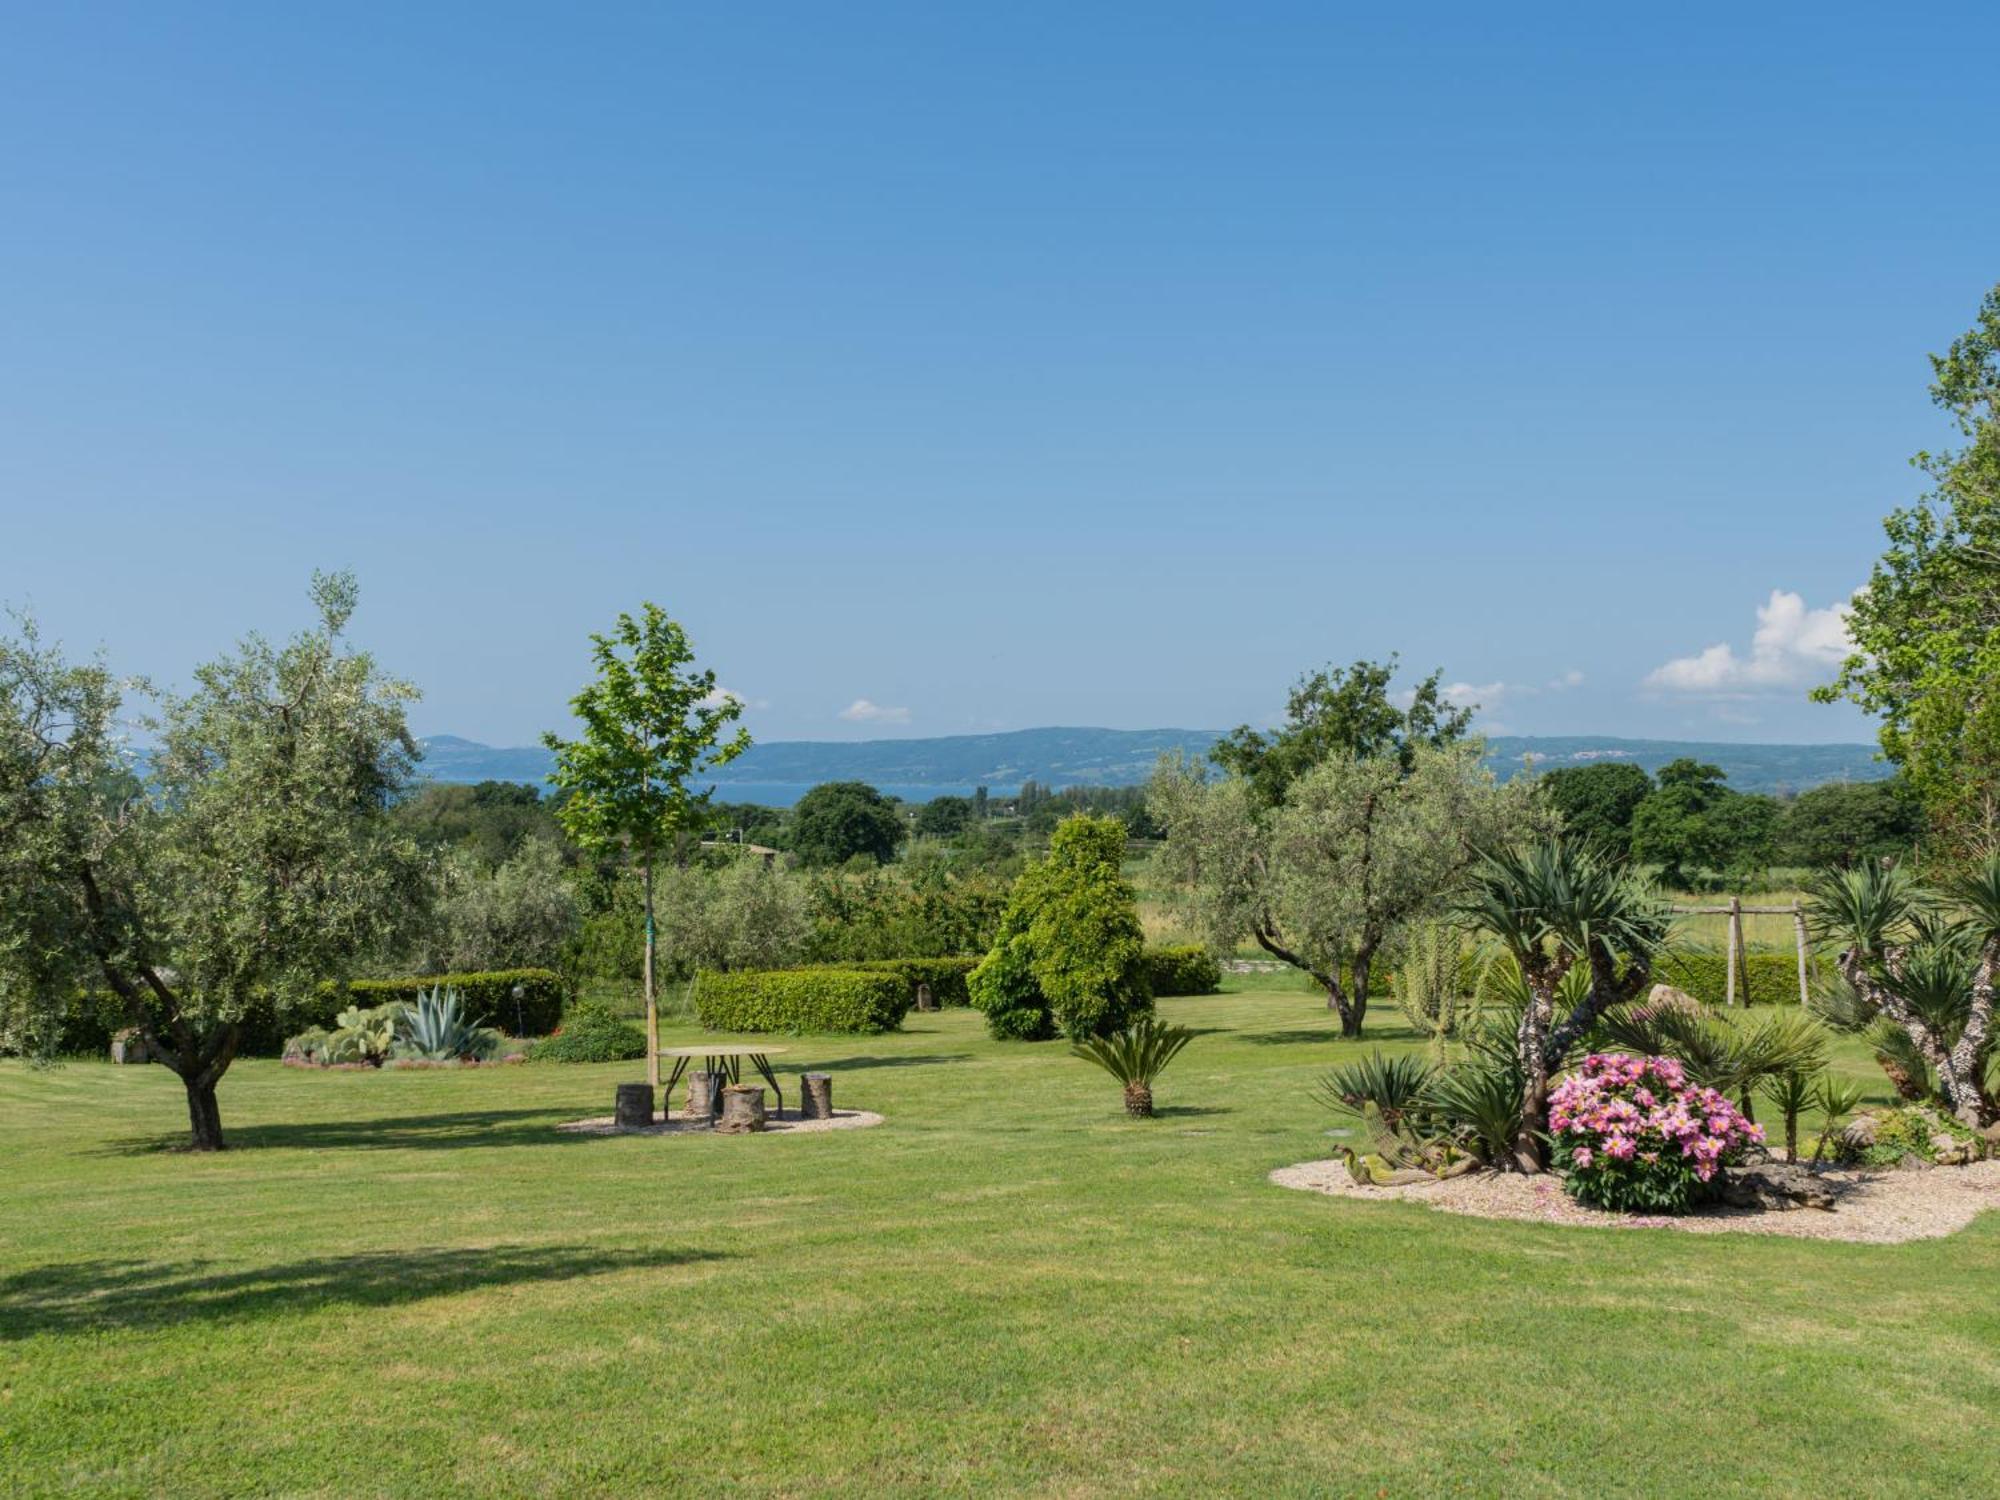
column 704, row 1096
column 635, row 1106
column 742, row 1109
column 815, row 1096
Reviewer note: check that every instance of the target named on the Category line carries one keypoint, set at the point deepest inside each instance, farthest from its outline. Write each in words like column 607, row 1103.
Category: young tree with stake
column 650, row 724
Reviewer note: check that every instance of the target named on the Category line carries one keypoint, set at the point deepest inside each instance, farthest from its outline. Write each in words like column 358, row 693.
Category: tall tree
column 1693, row 822
column 1926, row 628
column 1341, row 712
column 1597, row 801
column 650, row 725
column 837, row 820
column 1357, row 849
column 252, row 863
column 1846, row 822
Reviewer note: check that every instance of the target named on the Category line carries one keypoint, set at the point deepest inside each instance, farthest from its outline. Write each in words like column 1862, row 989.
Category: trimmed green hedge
column 1765, row 979
column 945, row 976
column 802, row 1000
column 488, row 997
column 1188, row 969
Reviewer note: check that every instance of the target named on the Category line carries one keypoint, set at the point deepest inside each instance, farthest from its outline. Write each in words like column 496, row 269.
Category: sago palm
column 1135, row 1057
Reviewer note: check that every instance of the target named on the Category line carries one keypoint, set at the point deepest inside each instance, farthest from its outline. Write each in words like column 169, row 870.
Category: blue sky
column 949, row 369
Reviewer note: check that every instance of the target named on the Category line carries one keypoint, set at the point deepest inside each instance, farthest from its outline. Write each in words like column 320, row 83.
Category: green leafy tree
column 839, row 820
column 1357, row 850
column 523, row 914
column 651, row 724
column 1847, row 822
column 254, row 860
column 944, row 817
column 1692, row 822
column 1342, row 713
column 1597, row 802
column 1926, row 628
column 1070, row 956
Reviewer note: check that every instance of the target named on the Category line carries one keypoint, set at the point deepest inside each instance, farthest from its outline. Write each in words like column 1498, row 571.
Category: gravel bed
column 1879, row 1208
column 787, row 1123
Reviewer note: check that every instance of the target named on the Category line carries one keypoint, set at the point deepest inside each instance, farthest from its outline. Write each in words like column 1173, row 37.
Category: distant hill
column 777, row 771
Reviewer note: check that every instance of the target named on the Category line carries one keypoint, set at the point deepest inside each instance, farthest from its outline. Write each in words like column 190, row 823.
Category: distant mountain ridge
column 775, row 771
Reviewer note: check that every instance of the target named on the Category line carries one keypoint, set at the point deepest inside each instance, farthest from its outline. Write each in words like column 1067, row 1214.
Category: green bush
column 1765, row 979
column 1188, row 969
column 590, row 1032
column 802, row 1000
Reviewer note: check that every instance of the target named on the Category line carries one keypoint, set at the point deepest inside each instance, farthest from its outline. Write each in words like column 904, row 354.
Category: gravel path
column 1880, row 1208
column 787, row 1123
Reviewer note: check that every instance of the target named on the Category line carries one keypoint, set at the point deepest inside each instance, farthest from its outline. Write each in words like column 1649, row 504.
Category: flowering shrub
column 1631, row 1133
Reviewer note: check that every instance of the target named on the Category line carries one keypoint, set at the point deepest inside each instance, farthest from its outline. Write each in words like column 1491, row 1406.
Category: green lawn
column 407, row 1283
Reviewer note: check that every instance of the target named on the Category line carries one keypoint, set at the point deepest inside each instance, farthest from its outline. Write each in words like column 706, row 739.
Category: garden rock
column 1775, row 1185
column 1859, row 1132
column 1666, row 996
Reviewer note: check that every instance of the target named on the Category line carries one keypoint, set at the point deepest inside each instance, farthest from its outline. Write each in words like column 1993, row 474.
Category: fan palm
column 1135, row 1057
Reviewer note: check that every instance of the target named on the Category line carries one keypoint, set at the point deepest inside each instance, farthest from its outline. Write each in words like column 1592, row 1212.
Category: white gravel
column 787, row 1123
column 1881, row 1208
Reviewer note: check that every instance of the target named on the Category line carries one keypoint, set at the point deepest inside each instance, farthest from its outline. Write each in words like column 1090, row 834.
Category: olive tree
column 650, row 725
column 249, row 861
column 1355, row 849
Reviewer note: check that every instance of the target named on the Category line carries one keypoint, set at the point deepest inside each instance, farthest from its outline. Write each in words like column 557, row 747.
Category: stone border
column 1877, row 1208
column 787, row 1123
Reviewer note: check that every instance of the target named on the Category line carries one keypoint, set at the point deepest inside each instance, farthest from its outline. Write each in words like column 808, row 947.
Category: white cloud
column 1570, row 679
column 723, row 695
column 861, row 711
column 1792, row 644
column 1486, row 695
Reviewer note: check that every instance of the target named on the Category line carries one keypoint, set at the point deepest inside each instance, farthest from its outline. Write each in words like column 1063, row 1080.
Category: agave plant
column 435, row 1029
column 1135, row 1057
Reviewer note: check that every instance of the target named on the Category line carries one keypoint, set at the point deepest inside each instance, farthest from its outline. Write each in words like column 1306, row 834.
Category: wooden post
column 1799, row 930
column 652, row 1001
column 1735, row 946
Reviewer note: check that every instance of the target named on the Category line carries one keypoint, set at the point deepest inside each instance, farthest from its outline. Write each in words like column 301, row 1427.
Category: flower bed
column 1632, row 1134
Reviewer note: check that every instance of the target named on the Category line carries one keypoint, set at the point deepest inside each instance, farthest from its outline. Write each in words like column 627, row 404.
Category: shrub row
column 1188, row 969
column 802, row 1000
column 487, row 997
column 1765, row 978
column 945, row 976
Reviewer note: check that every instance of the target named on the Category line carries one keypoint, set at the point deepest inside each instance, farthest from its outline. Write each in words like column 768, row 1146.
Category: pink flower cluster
column 1623, row 1109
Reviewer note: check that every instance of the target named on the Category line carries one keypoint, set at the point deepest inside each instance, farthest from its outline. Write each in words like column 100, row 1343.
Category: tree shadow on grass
column 1176, row 1111
column 839, row 1065
column 110, row 1295
column 441, row 1132
column 1290, row 1038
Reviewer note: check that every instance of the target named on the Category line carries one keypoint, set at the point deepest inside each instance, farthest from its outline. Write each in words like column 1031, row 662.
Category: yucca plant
column 1135, row 1057
column 1836, row 1099
column 1393, row 1085
column 435, row 1029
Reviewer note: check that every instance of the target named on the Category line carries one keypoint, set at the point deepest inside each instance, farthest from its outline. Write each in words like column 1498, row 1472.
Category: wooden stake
column 1735, row 946
column 1799, row 930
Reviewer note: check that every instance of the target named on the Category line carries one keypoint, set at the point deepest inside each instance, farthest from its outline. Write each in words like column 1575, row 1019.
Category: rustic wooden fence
column 1733, row 965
